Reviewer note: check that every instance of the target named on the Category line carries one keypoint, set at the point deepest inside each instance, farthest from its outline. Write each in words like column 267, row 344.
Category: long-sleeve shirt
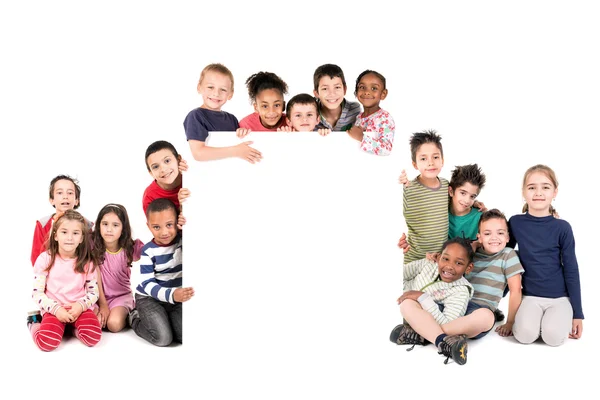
column 161, row 270
column 423, row 275
column 378, row 132
column 40, row 233
column 62, row 286
column 546, row 248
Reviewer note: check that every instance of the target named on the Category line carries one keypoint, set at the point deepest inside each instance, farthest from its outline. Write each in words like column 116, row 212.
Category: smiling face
column 110, row 230
column 463, row 198
column 539, row 191
column 64, row 196
column 164, row 167
column 215, row 89
column 454, row 263
column 429, row 160
column 370, row 91
column 303, row 117
column 163, row 225
column 69, row 235
column 269, row 105
column 331, row 92
column 493, row 235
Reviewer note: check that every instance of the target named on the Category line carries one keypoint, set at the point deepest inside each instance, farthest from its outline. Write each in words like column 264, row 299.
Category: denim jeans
column 160, row 323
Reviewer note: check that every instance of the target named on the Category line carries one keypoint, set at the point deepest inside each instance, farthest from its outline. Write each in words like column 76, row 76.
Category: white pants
column 552, row 319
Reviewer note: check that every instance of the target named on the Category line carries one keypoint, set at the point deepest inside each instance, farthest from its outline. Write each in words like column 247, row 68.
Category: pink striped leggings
column 49, row 335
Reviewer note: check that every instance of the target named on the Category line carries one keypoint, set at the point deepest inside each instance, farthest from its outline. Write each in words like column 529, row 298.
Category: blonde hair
column 546, row 170
column 217, row 67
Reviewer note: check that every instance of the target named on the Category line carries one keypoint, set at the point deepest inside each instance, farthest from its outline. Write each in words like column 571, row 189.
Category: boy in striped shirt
column 157, row 317
column 436, row 293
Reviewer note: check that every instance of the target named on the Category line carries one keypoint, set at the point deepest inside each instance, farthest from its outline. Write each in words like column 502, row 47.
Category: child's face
column 215, row 89
column 269, row 105
column 303, row 117
column 463, row 198
column 538, row 193
column 164, row 167
column 69, row 235
column 454, row 263
column 370, row 91
column 110, row 229
column 429, row 160
column 331, row 92
column 493, row 235
column 64, row 196
column 163, row 225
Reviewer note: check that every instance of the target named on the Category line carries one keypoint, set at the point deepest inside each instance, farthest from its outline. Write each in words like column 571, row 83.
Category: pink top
column 252, row 122
column 116, row 273
column 62, row 286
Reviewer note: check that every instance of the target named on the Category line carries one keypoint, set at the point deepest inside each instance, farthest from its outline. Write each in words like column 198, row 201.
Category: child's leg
column 176, row 316
column 528, row 321
column 420, row 320
column 557, row 321
column 48, row 334
column 117, row 318
column 153, row 323
column 476, row 323
column 87, row 328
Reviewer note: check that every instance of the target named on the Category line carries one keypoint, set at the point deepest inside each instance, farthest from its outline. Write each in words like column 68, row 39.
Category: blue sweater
column 547, row 251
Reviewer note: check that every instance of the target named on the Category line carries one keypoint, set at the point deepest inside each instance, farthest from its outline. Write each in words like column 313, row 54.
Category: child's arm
column 201, row 152
column 381, row 144
column 403, row 179
column 103, row 310
column 455, row 305
column 38, row 242
column 183, row 294
column 356, row 133
column 514, row 301
column 38, row 295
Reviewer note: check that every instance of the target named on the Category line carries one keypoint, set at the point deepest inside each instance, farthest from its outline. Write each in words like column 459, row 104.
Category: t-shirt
column 465, row 226
column 253, row 123
column 200, row 121
column 350, row 110
column 153, row 192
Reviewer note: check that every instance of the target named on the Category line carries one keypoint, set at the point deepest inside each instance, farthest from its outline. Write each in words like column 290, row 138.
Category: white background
column 86, row 88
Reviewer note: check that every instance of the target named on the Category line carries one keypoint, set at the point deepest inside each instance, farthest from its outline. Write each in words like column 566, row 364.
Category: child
column 374, row 127
column 336, row 113
column 64, row 285
column 157, row 317
column 435, row 294
column 425, row 200
column 64, row 195
column 266, row 91
column 216, row 87
column 115, row 250
column 551, row 306
column 302, row 115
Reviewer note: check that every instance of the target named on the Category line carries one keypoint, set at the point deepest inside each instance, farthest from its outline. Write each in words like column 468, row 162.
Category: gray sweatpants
column 552, row 319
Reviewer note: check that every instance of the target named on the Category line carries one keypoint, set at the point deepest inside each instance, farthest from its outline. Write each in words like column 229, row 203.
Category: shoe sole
column 395, row 334
column 459, row 353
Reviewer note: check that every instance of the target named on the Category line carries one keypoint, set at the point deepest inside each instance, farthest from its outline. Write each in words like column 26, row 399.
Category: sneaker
column 133, row 316
column 34, row 317
column 404, row 334
column 499, row 315
column 454, row 347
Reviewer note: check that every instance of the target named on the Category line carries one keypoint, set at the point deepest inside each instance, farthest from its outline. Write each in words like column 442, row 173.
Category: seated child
column 435, row 294
column 64, row 195
column 266, row 91
column 374, row 127
column 302, row 115
column 216, row 88
column 336, row 113
column 157, row 317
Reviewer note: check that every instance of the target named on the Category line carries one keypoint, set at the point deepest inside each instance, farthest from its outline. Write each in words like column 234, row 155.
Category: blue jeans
column 160, row 323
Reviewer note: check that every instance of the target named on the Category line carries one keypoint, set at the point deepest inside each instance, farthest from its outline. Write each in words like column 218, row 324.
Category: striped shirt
column 423, row 275
column 160, row 270
column 426, row 215
column 490, row 275
column 350, row 110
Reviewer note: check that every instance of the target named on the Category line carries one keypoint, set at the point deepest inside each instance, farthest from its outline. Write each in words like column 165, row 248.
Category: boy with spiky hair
column 466, row 183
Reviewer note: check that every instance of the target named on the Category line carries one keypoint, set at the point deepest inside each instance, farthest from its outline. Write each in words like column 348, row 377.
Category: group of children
column 460, row 261
column 459, row 258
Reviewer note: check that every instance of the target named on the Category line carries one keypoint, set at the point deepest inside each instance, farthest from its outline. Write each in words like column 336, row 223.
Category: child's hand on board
column 284, row 129
column 183, row 194
column 183, row 165
column 183, row 294
column 403, row 179
column 242, row 132
column 324, row 131
column 356, row 133
column 181, row 221
column 403, row 243
column 245, row 152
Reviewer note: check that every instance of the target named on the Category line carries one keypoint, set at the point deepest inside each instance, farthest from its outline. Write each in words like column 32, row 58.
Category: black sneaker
column 454, row 347
column 33, row 317
column 404, row 334
column 498, row 315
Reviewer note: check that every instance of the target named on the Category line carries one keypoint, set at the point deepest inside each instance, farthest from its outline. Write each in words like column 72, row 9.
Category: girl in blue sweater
column 551, row 306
